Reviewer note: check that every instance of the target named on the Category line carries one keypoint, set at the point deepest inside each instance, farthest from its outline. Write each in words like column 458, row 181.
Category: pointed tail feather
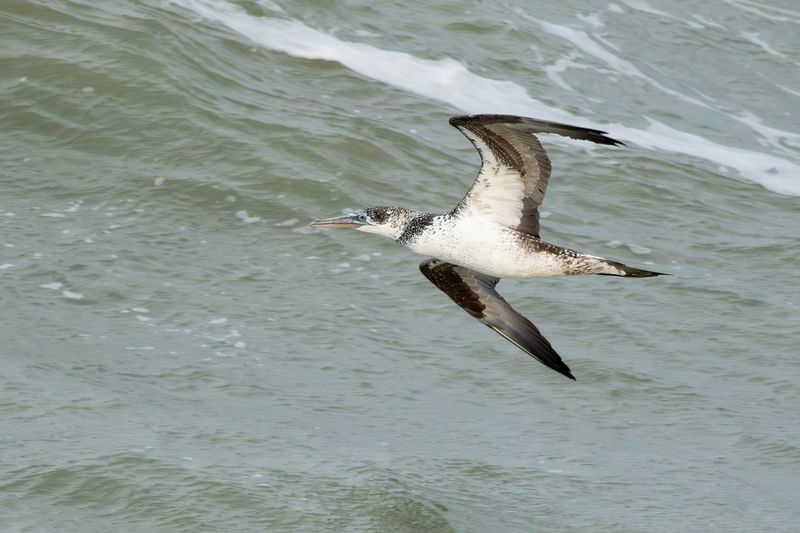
column 618, row 269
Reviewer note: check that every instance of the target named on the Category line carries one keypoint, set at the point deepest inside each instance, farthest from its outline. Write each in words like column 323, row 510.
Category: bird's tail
column 613, row 268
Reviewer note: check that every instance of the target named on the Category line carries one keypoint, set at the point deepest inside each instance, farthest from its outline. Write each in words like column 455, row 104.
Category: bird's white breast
column 486, row 247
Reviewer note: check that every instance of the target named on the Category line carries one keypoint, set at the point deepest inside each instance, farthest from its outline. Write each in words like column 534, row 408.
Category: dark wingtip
column 542, row 126
column 566, row 371
column 560, row 366
column 602, row 138
column 651, row 275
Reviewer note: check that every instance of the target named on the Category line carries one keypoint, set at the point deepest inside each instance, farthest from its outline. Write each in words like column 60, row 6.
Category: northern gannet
column 493, row 232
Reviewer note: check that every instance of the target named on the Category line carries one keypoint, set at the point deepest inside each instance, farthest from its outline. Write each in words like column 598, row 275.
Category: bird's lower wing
column 476, row 294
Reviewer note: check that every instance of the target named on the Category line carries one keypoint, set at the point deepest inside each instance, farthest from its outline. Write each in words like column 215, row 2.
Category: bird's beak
column 347, row 221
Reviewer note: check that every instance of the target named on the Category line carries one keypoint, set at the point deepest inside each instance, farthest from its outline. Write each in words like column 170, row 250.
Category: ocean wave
column 450, row 81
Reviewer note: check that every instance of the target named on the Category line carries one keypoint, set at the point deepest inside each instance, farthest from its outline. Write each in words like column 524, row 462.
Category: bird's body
column 501, row 252
column 493, row 232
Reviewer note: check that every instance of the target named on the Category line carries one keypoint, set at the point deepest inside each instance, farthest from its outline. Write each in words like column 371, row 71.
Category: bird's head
column 387, row 221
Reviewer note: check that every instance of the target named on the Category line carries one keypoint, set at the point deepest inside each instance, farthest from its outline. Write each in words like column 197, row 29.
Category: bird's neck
column 416, row 223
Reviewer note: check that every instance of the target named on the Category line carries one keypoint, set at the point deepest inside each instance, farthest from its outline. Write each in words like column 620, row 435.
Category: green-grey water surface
column 180, row 352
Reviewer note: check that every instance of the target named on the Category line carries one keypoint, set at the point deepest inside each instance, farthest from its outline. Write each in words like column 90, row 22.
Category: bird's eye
column 362, row 217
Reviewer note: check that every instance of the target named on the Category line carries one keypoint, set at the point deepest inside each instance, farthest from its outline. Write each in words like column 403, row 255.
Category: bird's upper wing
column 475, row 293
column 514, row 167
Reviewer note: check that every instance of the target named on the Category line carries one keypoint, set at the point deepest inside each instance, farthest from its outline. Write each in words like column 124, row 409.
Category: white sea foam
column 562, row 63
column 584, row 42
column 449, row 81
column 593, row 20
column 755, row 38
column 247, row 219
column 644, row 7
column 774, row 173
column 635, row 248
column 269, row 4
column 444, row 79
column 72, row 295
column 708, row 22
column 783, row 88
column 761, row 10
column 773, row 136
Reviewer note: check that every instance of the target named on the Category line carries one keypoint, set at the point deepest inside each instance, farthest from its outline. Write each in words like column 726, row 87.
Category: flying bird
column 493, row 232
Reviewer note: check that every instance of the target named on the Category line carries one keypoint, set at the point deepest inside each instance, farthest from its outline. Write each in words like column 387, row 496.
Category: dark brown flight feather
column 475, row 293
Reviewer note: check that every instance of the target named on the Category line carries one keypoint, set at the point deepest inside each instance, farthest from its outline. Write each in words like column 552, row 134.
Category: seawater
column 181, row 352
